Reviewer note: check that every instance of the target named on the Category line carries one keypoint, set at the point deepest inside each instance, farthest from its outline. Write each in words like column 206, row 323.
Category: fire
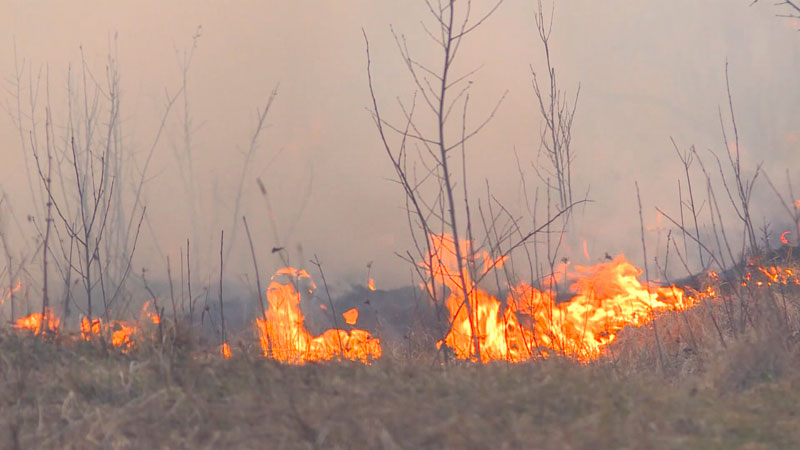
column 774, row 275
column 89, row 329
column 122, row 333
column 371, row 284
column 350, row 316
column 785, row 237
column 154, row 317
column 607, row 297
column 11, row 292
column 284, row 337
column 33, row 322
column 225, row 350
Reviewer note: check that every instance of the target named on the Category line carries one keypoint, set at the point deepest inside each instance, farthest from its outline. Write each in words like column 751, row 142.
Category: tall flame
column 284, row 337
column 607, row 297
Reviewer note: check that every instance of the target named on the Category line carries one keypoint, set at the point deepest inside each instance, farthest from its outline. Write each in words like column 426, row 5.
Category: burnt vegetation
column 497, row 343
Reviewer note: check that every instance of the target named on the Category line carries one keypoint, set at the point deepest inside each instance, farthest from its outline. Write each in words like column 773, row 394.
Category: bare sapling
column 441, row 91
column 557, row 111
column 741, row 186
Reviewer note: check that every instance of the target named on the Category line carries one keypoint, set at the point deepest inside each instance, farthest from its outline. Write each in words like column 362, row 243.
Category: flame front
column 121, row 332
column 608, row 297
column 284, row 337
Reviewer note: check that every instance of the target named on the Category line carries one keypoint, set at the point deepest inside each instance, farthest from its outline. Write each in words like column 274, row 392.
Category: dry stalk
column 647, row 279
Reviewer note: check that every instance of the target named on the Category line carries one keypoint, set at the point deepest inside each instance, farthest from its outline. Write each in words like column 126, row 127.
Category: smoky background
column 647, row 72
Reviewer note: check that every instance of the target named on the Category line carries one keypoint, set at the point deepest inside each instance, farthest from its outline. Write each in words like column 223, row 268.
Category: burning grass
column 731, row 379
column 723, row 371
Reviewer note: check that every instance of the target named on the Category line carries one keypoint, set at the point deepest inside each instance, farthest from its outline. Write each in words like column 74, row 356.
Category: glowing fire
column 154, row 317
column 607, row 297
column 11, row 292
column 371, row 284
column 785, row 237
column 122, row 333
column 773, row 275
column 33, row 322
column 225, row 350
column 284, row 337
column 350, row 316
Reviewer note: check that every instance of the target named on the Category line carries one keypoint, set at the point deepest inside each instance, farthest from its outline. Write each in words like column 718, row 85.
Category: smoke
column 647, row 71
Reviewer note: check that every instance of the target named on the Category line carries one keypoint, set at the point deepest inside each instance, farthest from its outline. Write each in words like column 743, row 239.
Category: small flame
column 225, row 350
column 154, row 317
column 122, row 336
column 784, row 237
column 122, row 333
column 371, row 284
column 33, row 322
column 586, row 251
column 11, row 292
column 89, row 329
column 350, row 316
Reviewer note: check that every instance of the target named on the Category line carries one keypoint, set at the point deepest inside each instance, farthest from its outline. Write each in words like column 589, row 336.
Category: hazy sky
column 648, row 70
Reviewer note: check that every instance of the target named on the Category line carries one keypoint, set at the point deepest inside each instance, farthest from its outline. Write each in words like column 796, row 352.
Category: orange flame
column 608, row 297
column 225, row 350
column 284, row 337
column 154, row 317
column 89, row 329
column 784, row 237
column 371, row 284
column 11, row 292
column 33, row 322
column 350, row 316
column 122, row 333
